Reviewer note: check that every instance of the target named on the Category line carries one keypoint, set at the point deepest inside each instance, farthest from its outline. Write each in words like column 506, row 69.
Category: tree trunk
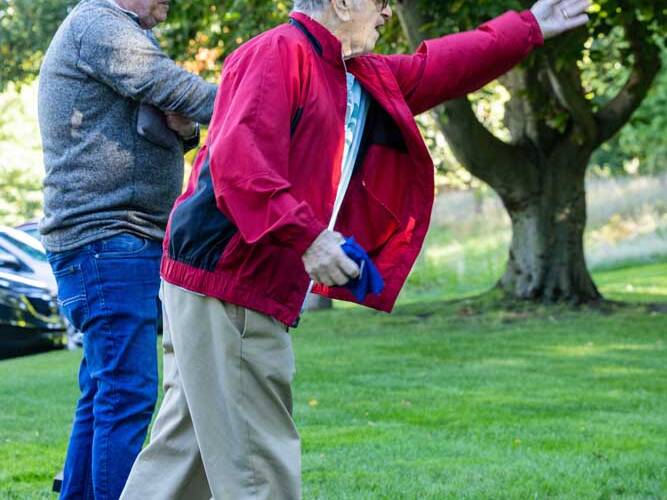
column 546, row 258
column 545, row 198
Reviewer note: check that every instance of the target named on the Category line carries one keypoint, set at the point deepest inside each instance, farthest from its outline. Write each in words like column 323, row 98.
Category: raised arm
column 455, row 65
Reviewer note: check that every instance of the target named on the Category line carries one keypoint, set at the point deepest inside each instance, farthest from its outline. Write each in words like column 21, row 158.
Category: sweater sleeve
column 455, row 65
column 119, row 54
column 249, row 143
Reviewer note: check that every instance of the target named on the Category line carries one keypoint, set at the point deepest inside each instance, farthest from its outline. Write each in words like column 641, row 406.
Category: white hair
column 310, row 6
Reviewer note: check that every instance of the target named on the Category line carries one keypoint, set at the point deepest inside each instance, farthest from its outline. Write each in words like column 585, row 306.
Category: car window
column 31, row 250
column 8, row 256
column 34, row 233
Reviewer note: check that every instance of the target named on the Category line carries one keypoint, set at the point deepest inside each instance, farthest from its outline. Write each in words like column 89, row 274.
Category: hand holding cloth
column 369, row 279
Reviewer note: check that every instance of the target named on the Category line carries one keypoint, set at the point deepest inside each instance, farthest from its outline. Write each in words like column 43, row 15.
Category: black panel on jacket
column 296, row 120
column 380, row 129
column 199, row 231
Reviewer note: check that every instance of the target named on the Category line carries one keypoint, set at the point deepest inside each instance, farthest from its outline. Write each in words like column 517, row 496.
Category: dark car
column 20, row 242
column 29, row 318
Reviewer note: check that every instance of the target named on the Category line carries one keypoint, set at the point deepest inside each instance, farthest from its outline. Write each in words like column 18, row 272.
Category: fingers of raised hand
column 576, row 22
column 576, row 13
column 573, row 13
column 558, row 16
column 571, row 9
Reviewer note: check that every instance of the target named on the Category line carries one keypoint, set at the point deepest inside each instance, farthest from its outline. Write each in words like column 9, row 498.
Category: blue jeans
column 109, row 291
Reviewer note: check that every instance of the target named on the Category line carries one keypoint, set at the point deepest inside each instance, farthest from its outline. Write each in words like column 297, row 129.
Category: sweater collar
column 325, row 43
column 133, row 15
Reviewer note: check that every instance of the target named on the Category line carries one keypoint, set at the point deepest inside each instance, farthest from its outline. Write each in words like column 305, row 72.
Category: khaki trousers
column 225, row 427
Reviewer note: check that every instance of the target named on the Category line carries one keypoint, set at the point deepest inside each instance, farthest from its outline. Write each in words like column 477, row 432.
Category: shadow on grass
column 496, row 304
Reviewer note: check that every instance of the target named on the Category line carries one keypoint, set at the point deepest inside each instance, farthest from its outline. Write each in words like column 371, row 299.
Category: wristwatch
column 192, row 142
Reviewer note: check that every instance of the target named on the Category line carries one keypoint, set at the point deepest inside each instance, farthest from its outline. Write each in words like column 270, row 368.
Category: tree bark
column 546, row 258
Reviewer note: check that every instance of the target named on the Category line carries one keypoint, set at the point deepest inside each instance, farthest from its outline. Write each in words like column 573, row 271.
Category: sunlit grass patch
column 588, row 349
column 623, row 371
column 647, row 283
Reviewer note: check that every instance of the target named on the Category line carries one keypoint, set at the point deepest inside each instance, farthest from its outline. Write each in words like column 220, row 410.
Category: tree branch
column 410, row 20
column 567, row 87
column 483, row 154
column 646, row 67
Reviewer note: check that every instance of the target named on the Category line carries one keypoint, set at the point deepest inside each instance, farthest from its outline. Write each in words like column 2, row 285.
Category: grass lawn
column 452, row 399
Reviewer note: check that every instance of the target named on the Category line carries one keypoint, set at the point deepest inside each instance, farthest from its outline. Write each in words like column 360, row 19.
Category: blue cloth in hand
column 369, row 280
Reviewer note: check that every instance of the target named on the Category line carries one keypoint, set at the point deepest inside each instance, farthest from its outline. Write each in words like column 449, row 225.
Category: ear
column 342, row 9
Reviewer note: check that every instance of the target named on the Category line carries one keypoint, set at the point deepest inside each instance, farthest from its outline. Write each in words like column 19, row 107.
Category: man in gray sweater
column 116, row 115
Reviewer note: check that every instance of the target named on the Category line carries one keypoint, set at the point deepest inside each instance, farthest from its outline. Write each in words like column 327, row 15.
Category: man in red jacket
column 312, row 137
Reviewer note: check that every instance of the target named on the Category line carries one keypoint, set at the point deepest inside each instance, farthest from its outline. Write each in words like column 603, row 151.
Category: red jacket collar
column 325, row 42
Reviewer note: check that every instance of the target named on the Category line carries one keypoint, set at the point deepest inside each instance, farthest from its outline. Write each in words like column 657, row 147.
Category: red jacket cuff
column 309, row 229
column 536, row 36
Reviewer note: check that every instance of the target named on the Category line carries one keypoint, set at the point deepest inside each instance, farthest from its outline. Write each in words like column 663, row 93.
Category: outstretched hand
column 558, row 16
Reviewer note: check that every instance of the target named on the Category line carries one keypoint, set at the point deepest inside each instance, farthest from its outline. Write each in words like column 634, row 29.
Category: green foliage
column 198, row 32
column 20, row 157
column 26, row 27
column 459, row 15
column 21, row 196
column 202, row 32
column 207, row 31
column 439, row 400
column 604, row 53
column 641, row 147
column 607, row 49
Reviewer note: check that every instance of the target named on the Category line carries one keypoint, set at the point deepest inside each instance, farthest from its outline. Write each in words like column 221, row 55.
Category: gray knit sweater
column 102, row 177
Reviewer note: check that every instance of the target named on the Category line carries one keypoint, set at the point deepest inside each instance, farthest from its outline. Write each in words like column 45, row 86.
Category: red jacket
column 263, row 186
